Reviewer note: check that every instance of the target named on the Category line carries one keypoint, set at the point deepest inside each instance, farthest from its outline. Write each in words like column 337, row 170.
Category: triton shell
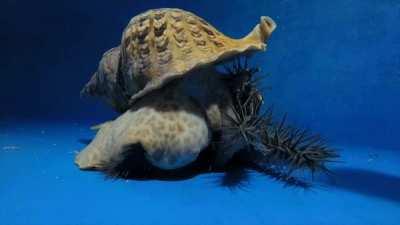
column 161, row 44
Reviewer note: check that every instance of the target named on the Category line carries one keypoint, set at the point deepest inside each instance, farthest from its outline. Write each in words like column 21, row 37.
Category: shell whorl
column 160, row 44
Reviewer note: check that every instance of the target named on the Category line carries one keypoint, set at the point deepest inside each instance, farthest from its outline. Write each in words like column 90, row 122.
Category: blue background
column 334, row 65
column 334, row 68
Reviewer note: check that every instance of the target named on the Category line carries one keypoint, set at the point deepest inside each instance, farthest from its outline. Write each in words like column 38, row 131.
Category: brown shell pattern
column 164, row 43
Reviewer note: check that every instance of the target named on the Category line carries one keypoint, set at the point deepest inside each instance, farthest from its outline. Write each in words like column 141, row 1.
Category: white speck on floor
column 11, row 147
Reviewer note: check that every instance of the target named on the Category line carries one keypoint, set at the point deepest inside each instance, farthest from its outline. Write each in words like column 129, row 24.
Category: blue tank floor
column 39, row 184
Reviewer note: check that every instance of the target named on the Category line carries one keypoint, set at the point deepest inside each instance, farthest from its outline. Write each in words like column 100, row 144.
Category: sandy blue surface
column 39, row 184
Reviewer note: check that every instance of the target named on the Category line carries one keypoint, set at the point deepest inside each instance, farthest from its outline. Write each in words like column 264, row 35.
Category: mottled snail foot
column 171, row 131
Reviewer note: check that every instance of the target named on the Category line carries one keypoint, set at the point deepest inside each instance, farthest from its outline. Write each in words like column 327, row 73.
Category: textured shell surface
column 162, row 44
